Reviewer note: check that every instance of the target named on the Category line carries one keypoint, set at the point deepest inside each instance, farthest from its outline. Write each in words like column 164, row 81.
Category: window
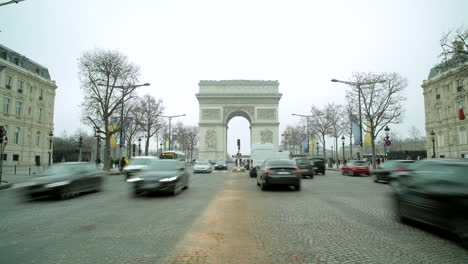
column 15, row 157
column 4, row 156
column 41, row 91
column 439, row 113
column 39, row 114
column 20, row 86
column 16, row 136
column 19, row 108
column 437, row 93
column 38, row 138
column 6, row 105
column 440, row 139
column 8, row 81
column 462, row 135
column 459, row 85
column 30, row 90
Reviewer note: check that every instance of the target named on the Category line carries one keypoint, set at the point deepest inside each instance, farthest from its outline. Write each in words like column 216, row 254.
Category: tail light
column 268, row 170
column 296, row 171
column 400, row 170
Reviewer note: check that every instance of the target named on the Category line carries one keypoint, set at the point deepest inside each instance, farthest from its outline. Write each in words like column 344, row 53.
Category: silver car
column 202, row 166
column 137, row 164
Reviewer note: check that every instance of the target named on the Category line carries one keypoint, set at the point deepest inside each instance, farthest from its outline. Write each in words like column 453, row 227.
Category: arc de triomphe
column 220, row 101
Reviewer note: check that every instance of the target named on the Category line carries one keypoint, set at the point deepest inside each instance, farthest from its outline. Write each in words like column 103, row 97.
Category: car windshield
column 303, row 161
column 280, row 163
column 201, row 163
column 141, row 161
column 163, row 165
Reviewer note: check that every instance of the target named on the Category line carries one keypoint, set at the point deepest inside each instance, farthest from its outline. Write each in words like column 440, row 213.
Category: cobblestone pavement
column 222, row 218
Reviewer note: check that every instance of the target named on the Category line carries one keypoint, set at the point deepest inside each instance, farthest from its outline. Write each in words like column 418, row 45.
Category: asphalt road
column 222, row 218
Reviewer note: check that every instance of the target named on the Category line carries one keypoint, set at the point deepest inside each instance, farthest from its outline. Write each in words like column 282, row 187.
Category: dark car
column 221, row 165
column 279, row 172
column 64, row 180
column 319, row 165
column 137, row 164
column 355, row 167
column 388, row 170
column 255, row 166
column 306, row 166
column 435, row 192
column 168, row 176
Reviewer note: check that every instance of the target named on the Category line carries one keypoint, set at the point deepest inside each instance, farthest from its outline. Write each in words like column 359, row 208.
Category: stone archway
column 220, row 101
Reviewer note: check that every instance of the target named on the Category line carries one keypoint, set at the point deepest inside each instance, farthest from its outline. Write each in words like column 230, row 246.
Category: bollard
column 15, row 169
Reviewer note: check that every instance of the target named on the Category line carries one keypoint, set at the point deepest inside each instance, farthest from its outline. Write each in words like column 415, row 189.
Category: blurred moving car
column 221, row 165
column 435, row 192
column 202, row 166
column 137, row 164
column 388, row 170
column 355, row 167
column 319, row 165
column 306, row 166
column 169, row 176
column 64, row 180
column 279, row 172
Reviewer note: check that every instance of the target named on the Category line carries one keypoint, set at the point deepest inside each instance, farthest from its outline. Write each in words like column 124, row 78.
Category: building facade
column 27, row 96
column 445, row 100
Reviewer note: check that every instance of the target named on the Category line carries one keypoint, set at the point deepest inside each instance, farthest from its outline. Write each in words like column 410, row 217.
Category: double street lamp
column 317, row 149
column 433, row 144
column 139, row 146
column 358, row 85
column 308, row 134
column 98, row 145
column 80, row 145
column 170, row 132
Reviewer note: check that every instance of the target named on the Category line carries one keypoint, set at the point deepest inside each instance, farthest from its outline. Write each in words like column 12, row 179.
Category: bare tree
column 292, row 137
column 454, row 42
column 148, row 114
column 100, row 73
column 322, row 123
column 337, row 126
column 381, row 103
column 133, row 129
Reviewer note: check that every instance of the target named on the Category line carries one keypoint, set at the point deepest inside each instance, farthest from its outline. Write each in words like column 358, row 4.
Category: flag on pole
column 368, row 137
column 355, row 129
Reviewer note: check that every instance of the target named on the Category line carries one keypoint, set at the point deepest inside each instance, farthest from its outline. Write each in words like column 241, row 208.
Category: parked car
column 435, row 192
column 306, row 166
column 279, row 172
column 319, row 165
column 64, row 180
column 202, row 166
column 388, row 170
column 221, row 165
column 137, row 164
column 355, row 167
column 169, row 176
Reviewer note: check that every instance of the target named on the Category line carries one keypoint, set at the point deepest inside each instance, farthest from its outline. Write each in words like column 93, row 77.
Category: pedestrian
column 122, row 164
column 111, row 163
column 116, row 163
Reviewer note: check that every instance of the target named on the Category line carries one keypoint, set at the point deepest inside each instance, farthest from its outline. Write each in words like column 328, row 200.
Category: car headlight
column 56, row 184
column 134, row 179
column 168, row 179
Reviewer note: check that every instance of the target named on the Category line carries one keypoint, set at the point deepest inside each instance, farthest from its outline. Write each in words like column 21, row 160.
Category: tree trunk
column 147, row 145
column 324, row 149
column 373, row 147
column 107, row 146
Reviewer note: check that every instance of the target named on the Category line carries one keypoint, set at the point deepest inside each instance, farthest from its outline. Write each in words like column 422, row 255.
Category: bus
column 173, row 154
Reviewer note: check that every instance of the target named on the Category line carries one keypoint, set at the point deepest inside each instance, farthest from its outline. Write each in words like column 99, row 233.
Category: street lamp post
column 317, row 149
column 170, row 120
column 342, row 146
column 80, row 145
column 308, row 133
column 98, row 145
column 160, row 147
column 50, row 147
column 331, row 157
column 433, row 144
column 358, row 85
column 139, row 146
column 387, row 137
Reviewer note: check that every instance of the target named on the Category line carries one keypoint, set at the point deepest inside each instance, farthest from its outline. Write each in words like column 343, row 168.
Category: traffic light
column 238, row 142
column 2, row 133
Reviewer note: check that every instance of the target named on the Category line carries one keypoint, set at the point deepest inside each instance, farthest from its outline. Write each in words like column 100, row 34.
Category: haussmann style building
column 27, row 96
column 445, row 101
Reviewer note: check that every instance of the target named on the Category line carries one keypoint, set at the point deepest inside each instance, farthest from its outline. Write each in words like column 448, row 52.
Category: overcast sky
column 302, row 44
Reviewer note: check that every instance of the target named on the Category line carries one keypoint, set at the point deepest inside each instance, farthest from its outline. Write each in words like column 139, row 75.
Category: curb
column 5, row 186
